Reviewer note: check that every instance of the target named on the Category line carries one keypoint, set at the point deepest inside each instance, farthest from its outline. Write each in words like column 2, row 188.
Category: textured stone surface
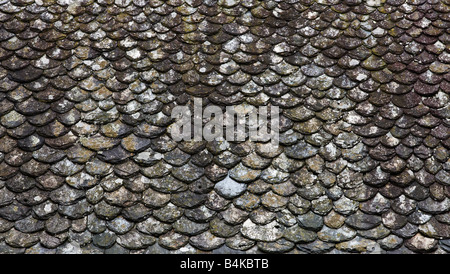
column 357, row 245
column 88, row 162
column 420, row 243
column 228, row 188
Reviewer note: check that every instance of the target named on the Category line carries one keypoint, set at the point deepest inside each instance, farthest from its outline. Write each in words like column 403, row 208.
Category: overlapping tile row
column 87, row 163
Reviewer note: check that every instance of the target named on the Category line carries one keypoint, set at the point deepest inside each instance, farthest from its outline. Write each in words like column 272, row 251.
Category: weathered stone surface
column 358, row 245
column 274, row 176
column 239, row 243
column 12, row 119
column 435, row 229
column 66, row 195
column 176, row 157
column 242, row 173
column 188, row 227
column 152, row 226
column 299, row 114
column 273, row 201
column 39, row 249
column 341, row 234
column 17, row 239
column 316, row 247
column 378, row 204
column 14, row 211
column 47, row 154
column 220, row 228
column 262, row 216
column 173, row 240
column 147, row 157
column 117, row 155
column 188, row 199
column 98, row 142
column 97, row 167
column 234, row 215
column 106, row 211
column 206, row 241
column 169, row 213
column 121, row 197
column 105, row 239
column 27, row 74
column 334, row 220
column 394, row 220
column 66, row 168
column 156, row 171
column 81, row 180
column 444, row 244
column 120, row 225
column 301, row 150
column 310, row 221
column 188, row 172
column 167, row 185
column 57, row 224
column 95, row 224
column 29, row 225
column 407, row 231
column 376, row 233
column 134, row 143
column 358, row 163
column 136, row 213
column 420, row 243
column 117, row 249
column 229, row 188
column 297, row 234
column 155, row 199
column 215, row 173
column 280, row 246
column 20, row 183
column 346, row 206
column 200, row 214
column 268, row 233
column 363, row 221
column 322, row 205
column 134, row 240
column 431, row 206
column 6, row 196
column 419, row 217
column 52, row 241
column 391, row 242
column 284, row 189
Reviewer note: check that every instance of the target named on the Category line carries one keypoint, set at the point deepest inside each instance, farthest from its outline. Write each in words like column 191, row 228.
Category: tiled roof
column 87, row 163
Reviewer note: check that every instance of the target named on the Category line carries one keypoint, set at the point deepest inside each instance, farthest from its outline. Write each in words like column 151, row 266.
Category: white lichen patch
column 149, row 156
column 43, row 61
column 269, row 232
column 379, row 31
column 134, row 54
